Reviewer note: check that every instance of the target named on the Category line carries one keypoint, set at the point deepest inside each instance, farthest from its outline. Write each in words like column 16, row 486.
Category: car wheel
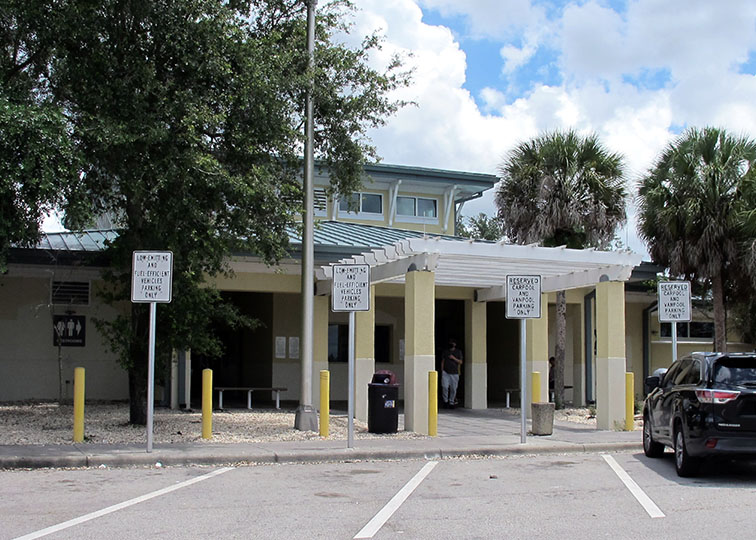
column 651, row 448
column 684, row 463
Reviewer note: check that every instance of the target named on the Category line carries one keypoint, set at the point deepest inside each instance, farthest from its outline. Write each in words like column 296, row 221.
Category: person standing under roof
column 451, row 364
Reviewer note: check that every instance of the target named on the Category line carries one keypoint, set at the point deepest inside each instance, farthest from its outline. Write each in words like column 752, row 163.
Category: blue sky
column 491, row 73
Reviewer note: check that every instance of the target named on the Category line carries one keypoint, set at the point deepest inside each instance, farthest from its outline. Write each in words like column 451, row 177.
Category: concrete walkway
column 461, row 432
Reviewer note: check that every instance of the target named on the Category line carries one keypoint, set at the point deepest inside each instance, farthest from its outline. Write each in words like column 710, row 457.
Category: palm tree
column 690, row 209
column 561, row 188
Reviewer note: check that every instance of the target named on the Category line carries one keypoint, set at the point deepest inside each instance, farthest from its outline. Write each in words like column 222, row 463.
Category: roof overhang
column 484, row 266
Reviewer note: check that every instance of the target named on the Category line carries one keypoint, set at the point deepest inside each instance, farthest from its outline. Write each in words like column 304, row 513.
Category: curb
column 306, row 456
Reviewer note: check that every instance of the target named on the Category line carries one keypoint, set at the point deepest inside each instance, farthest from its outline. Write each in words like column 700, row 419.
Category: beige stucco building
column 428, row 286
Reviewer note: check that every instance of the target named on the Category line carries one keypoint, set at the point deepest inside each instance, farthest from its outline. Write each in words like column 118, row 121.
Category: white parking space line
column 648, row 505
column 375, row 524
column 120, row 506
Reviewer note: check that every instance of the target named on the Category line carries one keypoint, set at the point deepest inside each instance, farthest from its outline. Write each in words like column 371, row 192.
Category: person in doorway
column 552, row 364
column 451, row 364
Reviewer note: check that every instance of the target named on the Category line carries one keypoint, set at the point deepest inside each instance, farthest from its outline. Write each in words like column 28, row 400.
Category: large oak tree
column 187, row 116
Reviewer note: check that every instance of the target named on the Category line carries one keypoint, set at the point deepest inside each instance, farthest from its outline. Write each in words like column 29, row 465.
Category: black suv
column 703, row 405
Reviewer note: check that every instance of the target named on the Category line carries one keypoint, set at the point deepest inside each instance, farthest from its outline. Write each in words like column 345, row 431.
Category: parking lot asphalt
column 461, row 433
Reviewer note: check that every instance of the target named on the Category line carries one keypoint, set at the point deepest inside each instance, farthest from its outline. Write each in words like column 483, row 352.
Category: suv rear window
column 735, row 371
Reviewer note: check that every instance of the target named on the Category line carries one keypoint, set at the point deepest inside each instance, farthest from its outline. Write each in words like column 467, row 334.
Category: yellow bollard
column 207, row 403
column 535, row 396
column 78, row 434
column 433, row 403
column 325, row 401
column 629, row 401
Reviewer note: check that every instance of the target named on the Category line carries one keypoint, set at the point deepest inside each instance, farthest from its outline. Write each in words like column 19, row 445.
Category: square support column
column 420, row 355
column 537, row 352
column 578, row 359
column 476, row 369
column 610, row 355
column 364, row 357
column 321, row 309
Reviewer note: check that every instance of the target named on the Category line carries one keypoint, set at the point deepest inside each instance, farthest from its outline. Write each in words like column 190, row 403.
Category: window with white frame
column 368, row 205
column 691, row 330
column 419, row 207
column 320, row 201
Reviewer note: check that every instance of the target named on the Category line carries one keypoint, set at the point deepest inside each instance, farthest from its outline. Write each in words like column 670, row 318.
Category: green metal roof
column 356, row 235
column 328, row 236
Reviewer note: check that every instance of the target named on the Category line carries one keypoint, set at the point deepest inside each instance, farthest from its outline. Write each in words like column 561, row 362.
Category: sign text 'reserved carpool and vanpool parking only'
column 674, row 301
column 523, row 297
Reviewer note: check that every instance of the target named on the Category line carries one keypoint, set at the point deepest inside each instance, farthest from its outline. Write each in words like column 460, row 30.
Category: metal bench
column 276, row 389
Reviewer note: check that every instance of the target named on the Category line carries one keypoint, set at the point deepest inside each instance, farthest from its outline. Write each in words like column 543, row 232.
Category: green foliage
column 694, row 208
column 690, row 202
column 562, row 189
column 38, row 170
column 480, row 227
column 187, row 116
column 38, row 161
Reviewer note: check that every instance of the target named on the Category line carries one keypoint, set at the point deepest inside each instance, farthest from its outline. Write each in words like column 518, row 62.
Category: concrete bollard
column 543, row 418
column 433, row 403
column 207, row 403
column 78, row 430
column 535, row 387
column 629, row 401
column 325, row 401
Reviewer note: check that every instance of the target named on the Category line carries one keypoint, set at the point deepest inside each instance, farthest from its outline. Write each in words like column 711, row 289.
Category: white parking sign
column 523, row 297
column 351, row 287
column 674, row 301
column 152, row 276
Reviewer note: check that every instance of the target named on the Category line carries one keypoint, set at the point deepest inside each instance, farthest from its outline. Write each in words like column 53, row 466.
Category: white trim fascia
column 380, row 270
column 520, row 253
column 562, row 282
column 417, row 220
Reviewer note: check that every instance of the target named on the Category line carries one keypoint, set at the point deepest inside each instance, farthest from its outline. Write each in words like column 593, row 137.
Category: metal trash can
column 383, row 403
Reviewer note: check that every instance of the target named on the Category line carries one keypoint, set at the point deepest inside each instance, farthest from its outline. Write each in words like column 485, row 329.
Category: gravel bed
column 50, row 423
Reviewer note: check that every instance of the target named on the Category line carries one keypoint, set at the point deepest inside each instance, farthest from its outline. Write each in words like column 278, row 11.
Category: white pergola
column 485, row 265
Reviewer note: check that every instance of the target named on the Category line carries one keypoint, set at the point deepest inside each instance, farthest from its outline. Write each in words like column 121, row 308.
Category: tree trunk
column 720, row 326
column 137, row 398
column 138, row 370
column 559, row 352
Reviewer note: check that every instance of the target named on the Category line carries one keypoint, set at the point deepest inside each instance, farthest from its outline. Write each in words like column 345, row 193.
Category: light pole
column 306, row 419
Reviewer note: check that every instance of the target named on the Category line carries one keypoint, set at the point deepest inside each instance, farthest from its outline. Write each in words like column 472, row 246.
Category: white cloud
column 516, row 57
column 697, row 45
column 490, row 18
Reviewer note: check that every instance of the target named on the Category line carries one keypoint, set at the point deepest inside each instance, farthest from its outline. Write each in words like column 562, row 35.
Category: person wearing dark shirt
column 451, row 363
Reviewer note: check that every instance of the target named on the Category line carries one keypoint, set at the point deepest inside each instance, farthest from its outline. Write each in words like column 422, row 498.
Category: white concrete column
column 610, row 355
column 476, row 369
column 364, row 357
column 321, row 309
column 537, row 351
column 419, row 356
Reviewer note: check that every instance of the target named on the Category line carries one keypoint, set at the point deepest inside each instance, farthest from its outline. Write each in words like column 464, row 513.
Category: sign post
column 674, row 306
column 523, row 302
column 351, row 292
column 151, row 282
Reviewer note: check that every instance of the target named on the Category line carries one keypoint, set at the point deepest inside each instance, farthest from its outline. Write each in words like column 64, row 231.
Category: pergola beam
column 562, row 282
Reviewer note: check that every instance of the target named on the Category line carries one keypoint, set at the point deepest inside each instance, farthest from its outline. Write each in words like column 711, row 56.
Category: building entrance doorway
column 247, row 357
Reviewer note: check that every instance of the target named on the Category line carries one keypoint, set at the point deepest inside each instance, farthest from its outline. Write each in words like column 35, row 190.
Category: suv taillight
column 716, row 396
